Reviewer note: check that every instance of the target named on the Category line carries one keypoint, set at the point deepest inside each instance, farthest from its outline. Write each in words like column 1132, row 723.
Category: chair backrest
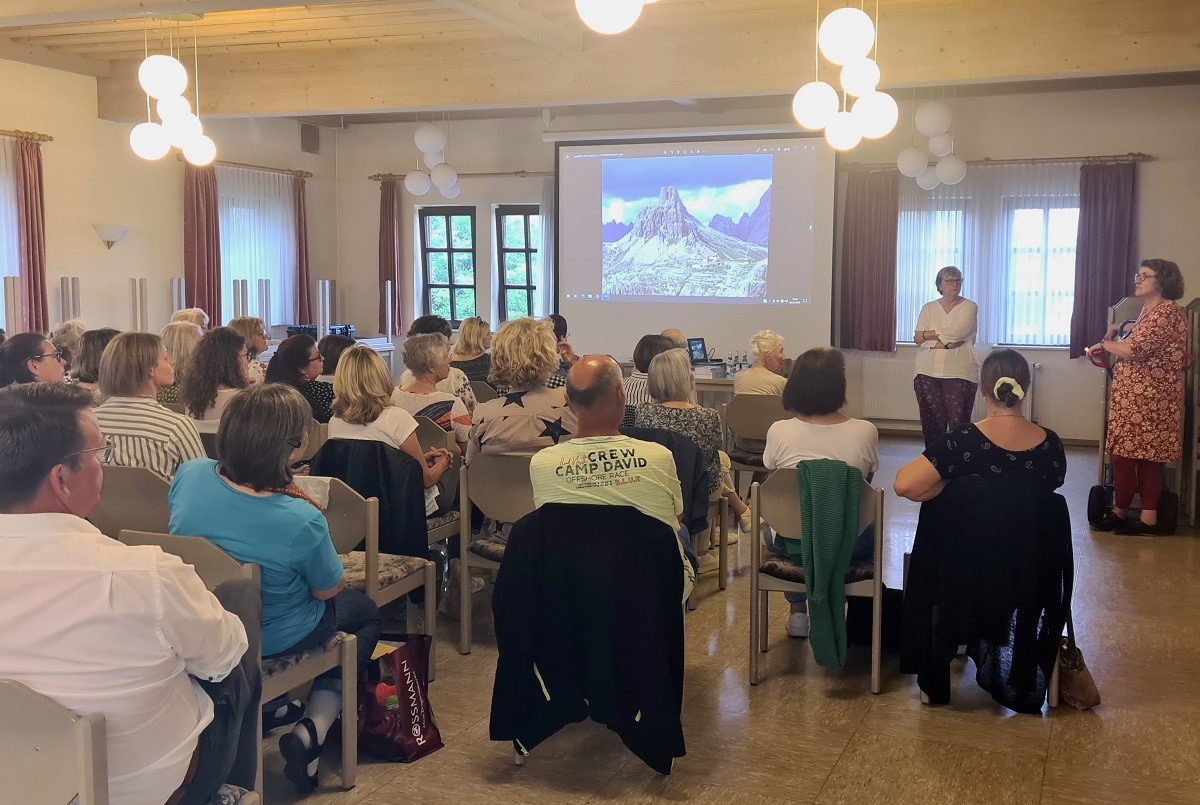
column 750, row 416
column 213, row 565
column 133, row 498
column 177, row 407
column 499, row 486
column 352, row 518
column 779, row 503
column 430, row 434
column 318, row 434
column 209, row 440
column 47, row 753
column 483, row 391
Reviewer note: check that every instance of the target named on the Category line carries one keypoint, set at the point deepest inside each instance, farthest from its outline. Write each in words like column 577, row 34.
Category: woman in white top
column 217, row 373
column 947, row 372
column 815, row 393
column 766, row 348
column 428, row 358
column 363, row 409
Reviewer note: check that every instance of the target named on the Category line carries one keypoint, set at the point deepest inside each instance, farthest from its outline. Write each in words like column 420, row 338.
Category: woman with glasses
column 255, row 332
column 947, row 371
column 30, row 358
column 298, row 363
column 1145, row 406
column 217, row 372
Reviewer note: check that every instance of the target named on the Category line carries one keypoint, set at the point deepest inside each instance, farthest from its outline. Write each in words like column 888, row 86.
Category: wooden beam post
column 508, row 16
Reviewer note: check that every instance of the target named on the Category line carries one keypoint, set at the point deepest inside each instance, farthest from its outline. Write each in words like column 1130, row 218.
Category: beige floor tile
column 974, row 724
column 625, row 791
column 1073, row 785
column 885, row 768
column 1151, row 743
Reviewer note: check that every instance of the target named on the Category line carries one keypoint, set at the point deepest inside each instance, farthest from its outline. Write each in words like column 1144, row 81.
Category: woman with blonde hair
column 363, row 409
column 180, row 338
column 254, row 331
column 192, row 315
column 470, row 351
column 527, row 416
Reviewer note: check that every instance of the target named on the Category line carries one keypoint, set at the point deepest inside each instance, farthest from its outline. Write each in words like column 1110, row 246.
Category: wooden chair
column 748, row 416
column 777, row 503
column 47, row 753
column 177, row 407
column 318, row 434
column 384, row 577
column 500, row 487
column 483, row 391
column 133, row 498
column 279, row 677
column 430, row 434
column 209, row 440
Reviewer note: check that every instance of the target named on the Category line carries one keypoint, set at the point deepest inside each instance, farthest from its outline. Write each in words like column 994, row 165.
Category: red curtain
column 303, row 296
column 31, row 237
column 389, row 255
column 867, row 292
column 202, row 241
column 1106, row 249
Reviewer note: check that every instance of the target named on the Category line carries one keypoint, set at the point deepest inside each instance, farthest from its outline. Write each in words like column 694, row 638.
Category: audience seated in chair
column 428, row 359
column 192, row 315
column 252, row 329
column 457, row 382
column 766, row 350
column 78, row 627
column 331, row 348
column 815, row 393
column 217, row 373
column 471, row 350
column 600, row 466
column 246, row 504
column 143, row 433
column 67, row 338
column 676, row 337
column 30, row 358
column 181, row 340
column 86, row 371
column 637, row 388
column 298, row 364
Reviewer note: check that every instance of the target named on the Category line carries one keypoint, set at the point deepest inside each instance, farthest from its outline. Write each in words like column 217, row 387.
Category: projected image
column 686, row 226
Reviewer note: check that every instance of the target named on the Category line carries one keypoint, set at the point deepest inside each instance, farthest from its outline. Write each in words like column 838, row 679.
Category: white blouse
column 957, row 325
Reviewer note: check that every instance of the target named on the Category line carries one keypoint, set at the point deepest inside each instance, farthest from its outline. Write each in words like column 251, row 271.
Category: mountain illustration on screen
column 751, row 227
column 615, row 230
column 669, row 252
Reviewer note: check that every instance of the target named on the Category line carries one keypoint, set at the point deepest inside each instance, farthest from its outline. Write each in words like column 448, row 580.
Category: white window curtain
column 258, row 239
column 1011, row 229
column 9, row 248
column 543, row 297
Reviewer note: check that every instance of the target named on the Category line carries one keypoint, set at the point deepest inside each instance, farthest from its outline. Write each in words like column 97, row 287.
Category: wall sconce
column 110, row 234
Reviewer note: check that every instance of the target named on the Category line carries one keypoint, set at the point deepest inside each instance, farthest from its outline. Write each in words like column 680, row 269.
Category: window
column 9, row 255
column 448, row 262
column 519, row 241
column 258, row 240
column 1011, row 229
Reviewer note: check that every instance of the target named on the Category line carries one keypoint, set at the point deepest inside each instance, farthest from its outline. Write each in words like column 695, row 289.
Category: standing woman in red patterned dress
column 1145, row 409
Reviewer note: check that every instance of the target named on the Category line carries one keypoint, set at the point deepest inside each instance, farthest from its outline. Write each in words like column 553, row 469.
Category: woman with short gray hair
column 671, row 386
column 947, row 371
column 428, row 358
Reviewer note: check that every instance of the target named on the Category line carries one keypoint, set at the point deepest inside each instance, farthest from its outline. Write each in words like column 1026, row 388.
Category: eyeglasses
column 105, row 452
column 1141, row 276
column 56, row 354
column 950, row 281
column 315, row 359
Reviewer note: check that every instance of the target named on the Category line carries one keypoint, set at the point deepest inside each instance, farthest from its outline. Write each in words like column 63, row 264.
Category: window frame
column 1045, row 204
column 447, row 212
column 502, row 252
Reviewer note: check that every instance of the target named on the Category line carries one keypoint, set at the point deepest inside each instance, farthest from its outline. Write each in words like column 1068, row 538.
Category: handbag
column 1076, row 686
column 395, row 720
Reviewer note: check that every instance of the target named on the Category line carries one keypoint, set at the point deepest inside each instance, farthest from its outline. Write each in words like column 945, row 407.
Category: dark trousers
column 228, row 747
column 944, row 403
column 349, row 611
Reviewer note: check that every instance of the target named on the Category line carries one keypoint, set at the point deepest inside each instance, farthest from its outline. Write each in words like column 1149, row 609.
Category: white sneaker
column 709, row 562
column 798, row 624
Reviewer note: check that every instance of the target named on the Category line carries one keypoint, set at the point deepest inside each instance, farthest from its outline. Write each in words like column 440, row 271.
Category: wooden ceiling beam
column 55, row 60
column 509, row 16
column 14, row 13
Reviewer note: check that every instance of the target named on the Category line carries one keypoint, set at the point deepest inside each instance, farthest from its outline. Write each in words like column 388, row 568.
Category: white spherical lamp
column 162, row 76
column 149, row 141
column 860, row 76
column 933, row 118
column 444, row 176
column 200, row 151
column 609, row 16
column 876, row 114
column 951, row 169
column 417, row 183
column 433, row 160
column 815, row 105
column 842, row 132
column 927, row 179
column 912, row 161
column 172, row 107
column 846, row 34
column 182, row 129
column 941, row 145
column 430, row 139
column 452, row 191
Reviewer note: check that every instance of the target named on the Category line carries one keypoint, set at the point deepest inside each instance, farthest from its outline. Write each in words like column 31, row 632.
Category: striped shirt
column 145, row 434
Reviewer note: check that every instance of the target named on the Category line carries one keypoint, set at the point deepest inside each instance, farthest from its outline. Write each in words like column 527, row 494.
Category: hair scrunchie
column 1017, row 391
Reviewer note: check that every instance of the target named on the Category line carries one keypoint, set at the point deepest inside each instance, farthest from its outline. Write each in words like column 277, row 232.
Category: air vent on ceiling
column 310, row 138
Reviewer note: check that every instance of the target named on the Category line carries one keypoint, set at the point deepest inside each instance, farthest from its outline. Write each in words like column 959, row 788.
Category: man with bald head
column 678, row 339
column 600, row 466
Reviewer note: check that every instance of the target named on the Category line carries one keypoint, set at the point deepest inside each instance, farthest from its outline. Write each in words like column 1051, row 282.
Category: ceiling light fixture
column 164, row 78
column 609, row 17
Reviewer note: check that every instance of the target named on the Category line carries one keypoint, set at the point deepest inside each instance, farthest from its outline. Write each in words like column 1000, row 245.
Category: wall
column 92, row 177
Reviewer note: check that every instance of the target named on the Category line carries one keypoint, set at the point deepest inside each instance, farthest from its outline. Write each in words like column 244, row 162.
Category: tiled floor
column 807, row 735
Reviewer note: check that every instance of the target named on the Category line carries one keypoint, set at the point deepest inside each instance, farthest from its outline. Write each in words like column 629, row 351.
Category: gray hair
column 423, row 352
column 68, row 337
column 763, row 343
column 670, row 376
column 948, row 271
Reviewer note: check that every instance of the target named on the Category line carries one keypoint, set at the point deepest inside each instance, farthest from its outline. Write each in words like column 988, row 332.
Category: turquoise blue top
column 287, row 537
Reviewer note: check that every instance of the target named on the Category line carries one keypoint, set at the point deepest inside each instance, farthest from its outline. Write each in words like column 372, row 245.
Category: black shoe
column 271, row 721
column 1137, row 528
column 1109, row 522
column 296, row 758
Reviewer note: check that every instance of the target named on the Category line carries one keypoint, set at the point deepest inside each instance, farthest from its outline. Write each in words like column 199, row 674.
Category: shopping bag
column 395, row 720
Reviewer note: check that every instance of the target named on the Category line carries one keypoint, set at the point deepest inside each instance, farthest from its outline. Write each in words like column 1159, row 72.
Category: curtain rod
column 37, row 137
column 226, row 164
column 399, row 177
column 1092, row 160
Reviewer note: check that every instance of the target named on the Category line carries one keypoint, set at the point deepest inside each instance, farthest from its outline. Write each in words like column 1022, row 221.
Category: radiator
column 888, row 391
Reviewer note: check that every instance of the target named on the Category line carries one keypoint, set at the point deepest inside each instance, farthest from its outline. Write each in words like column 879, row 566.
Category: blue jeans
column 864, row 548
column 685, row 539
column 349, row 611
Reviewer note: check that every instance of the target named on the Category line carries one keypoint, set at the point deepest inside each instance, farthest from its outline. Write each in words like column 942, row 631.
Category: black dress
column 476, row 368
column 965, row 452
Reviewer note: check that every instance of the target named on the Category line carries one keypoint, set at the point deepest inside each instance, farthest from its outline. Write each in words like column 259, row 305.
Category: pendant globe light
column 609, row 16
column 162, row 76
column 876, row 114
column 846, row 34
column 815, row 105
column 149, row 141
column 843, row 133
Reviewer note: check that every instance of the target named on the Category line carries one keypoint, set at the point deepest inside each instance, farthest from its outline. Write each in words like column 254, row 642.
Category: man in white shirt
column 603, row 467
column 128, row 632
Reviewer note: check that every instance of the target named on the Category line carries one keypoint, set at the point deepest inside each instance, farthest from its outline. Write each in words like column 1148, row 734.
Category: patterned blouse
column 966, row 451
column 701, row 425
column 320, row 396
